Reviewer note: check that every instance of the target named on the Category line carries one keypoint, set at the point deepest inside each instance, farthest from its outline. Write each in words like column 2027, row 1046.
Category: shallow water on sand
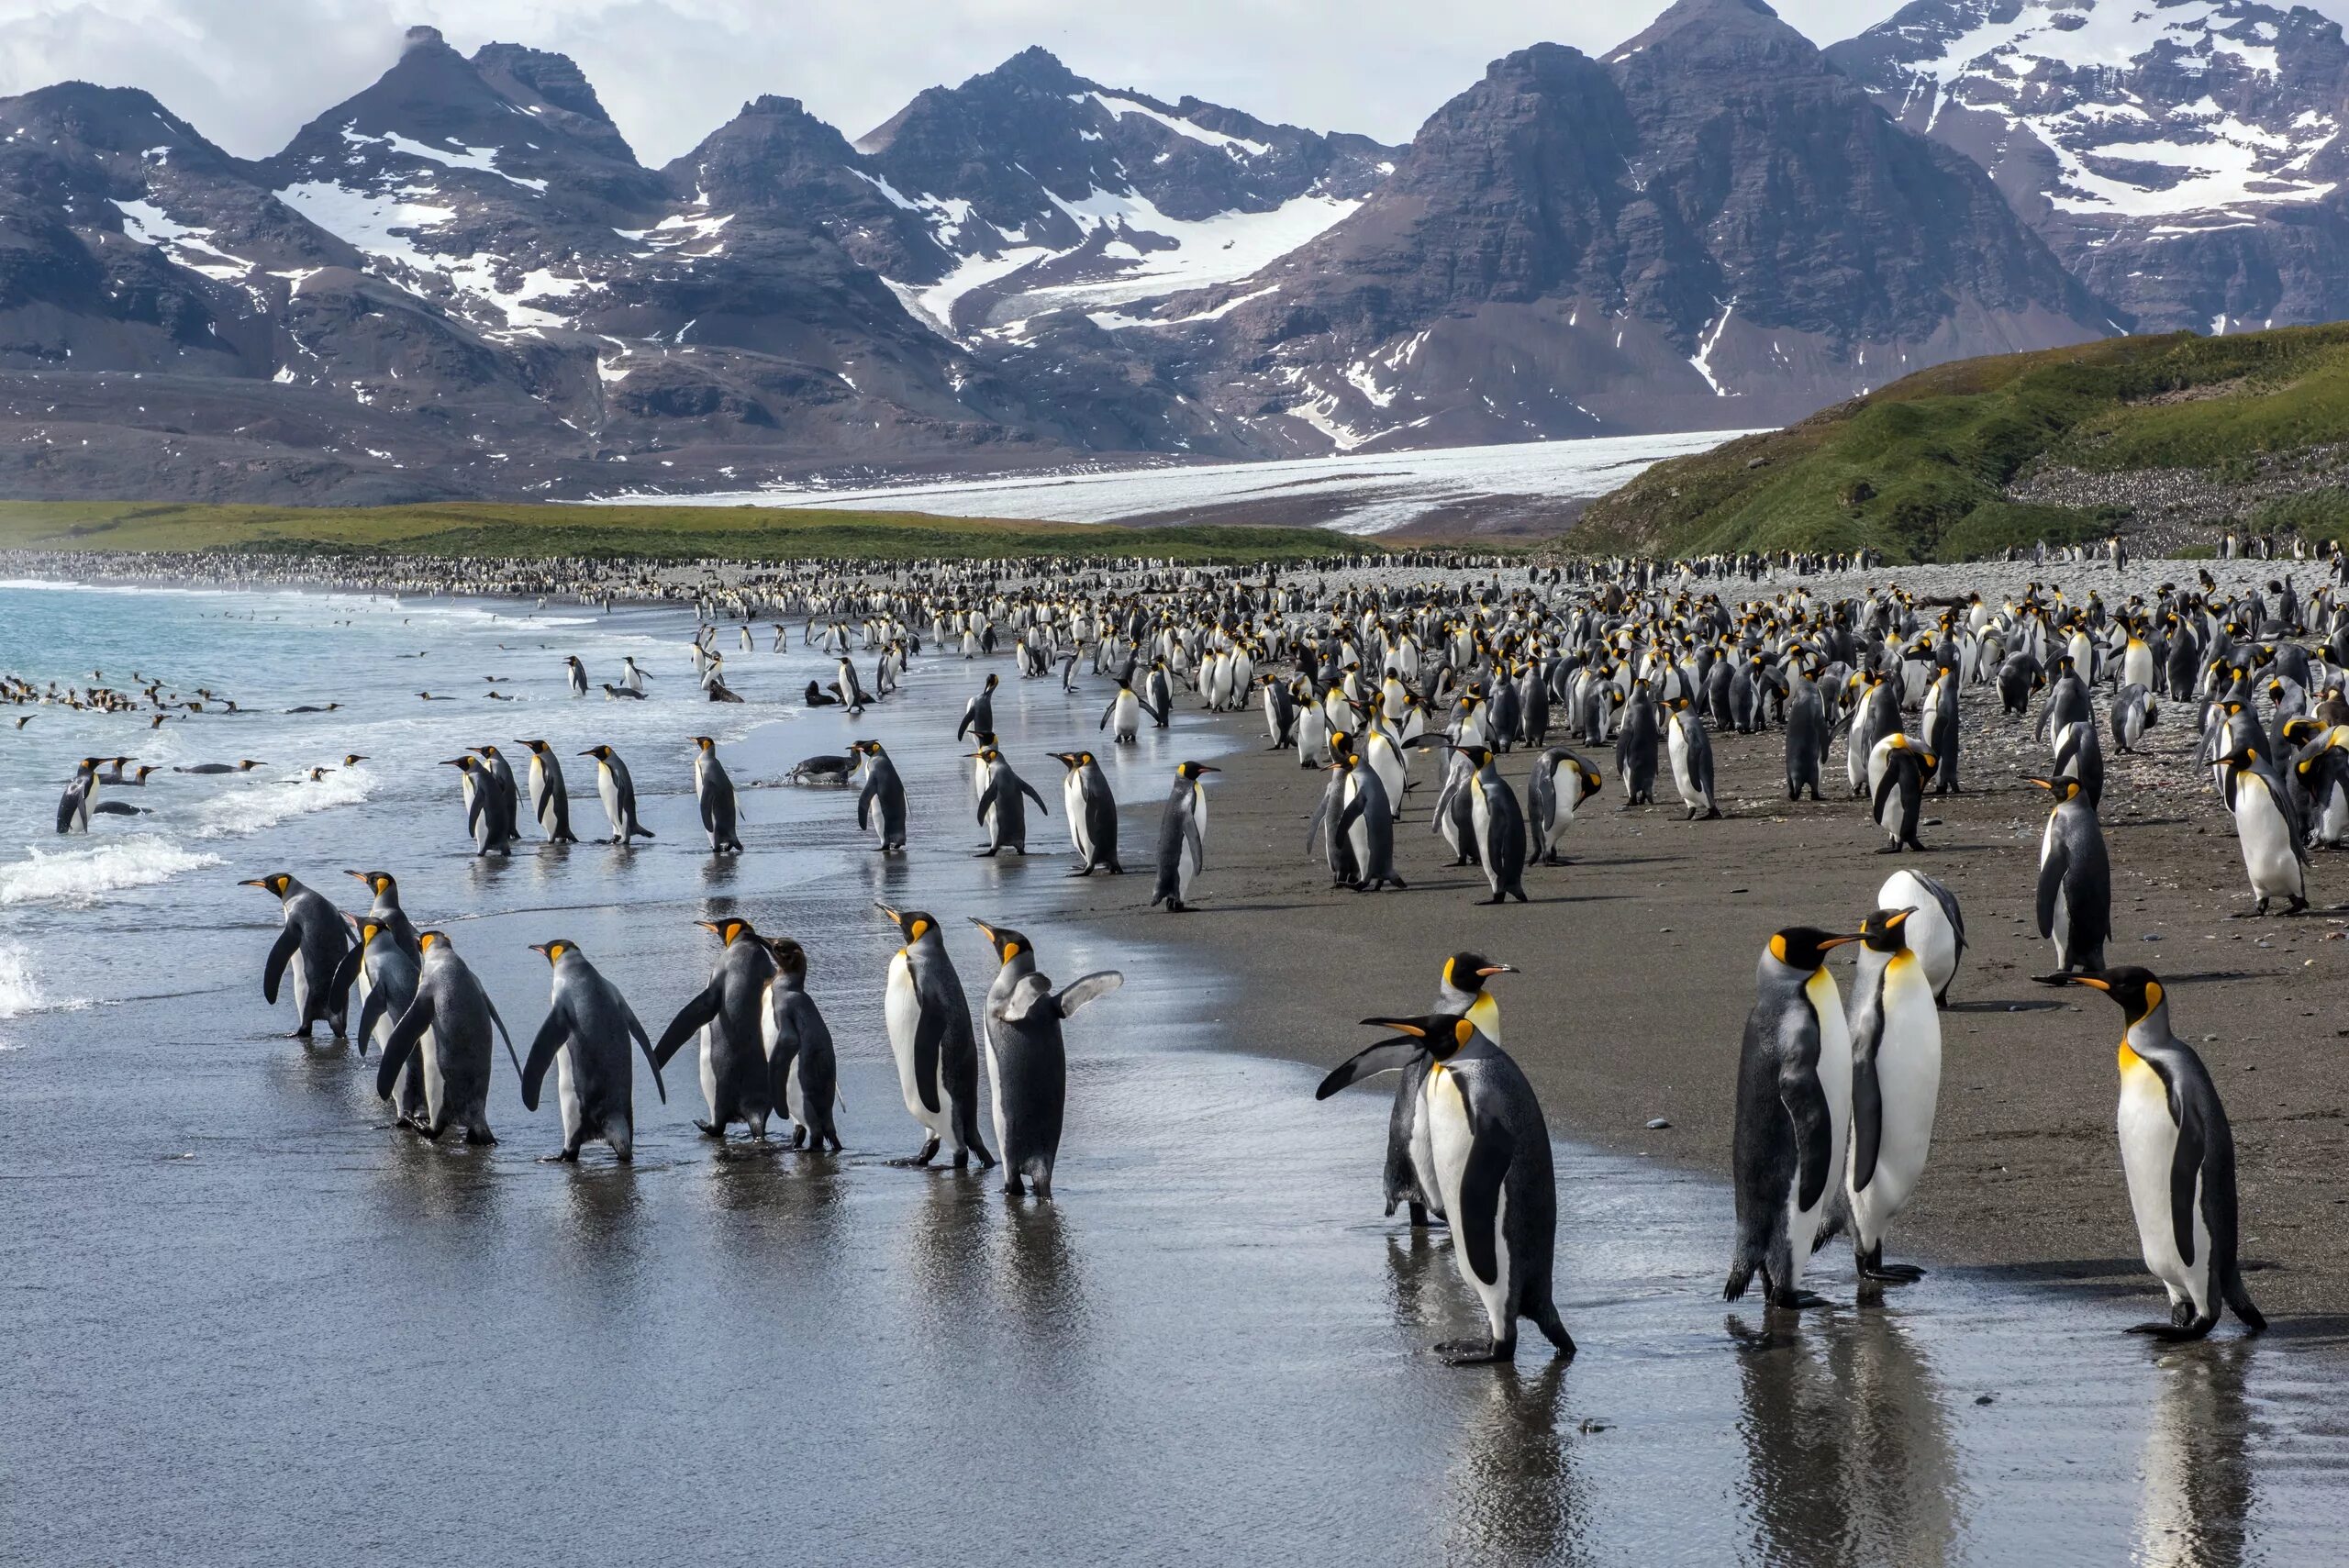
column 247, row 1322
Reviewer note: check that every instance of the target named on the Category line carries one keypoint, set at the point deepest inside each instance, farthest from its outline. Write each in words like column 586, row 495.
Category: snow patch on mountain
column 1237, row 146
column 189, row 247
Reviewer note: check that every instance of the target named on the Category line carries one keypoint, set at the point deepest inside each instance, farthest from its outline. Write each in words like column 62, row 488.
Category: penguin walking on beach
column 1092, row 814
column 386, row 911
column 803, row 1073
column 929, row 1020
column 389, row 973
column 1794, row 1114
column 2179, row 1150
column 1897, row 770
column 1182, row 837
column 1366, row 822
column 1636, row 744
column 618, row 790
column 1935, row 931
column 715, row 793
column 1280, row 711
column 1410, row 1174
column 1499, row 825
column 1895, row 1033
column 1489, row 1146
column 1003, row 803
column 550, row 801
column 1940, row 731
column 444, row 1031
column 588, row 1035
column 881, row 805
column 1027, row 1059
column 2267, row 825
column 1809, row 737
column 488, row 818
column 2074, row 877
column 575, row 674
column 1561, row 783
column 499, row 775
column 1122, row 718
column 978, row 714
column 310, row 949
column 730, row 1016
column 1691, row 750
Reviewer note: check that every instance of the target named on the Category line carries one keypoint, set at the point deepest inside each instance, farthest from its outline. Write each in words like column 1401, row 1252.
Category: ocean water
column 249, row 1322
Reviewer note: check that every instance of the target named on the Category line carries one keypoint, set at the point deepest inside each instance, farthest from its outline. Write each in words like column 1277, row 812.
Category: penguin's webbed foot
column 2170, row 1333
column 706, row 1131
column 1889, row 849
column 1797, row 1301
column 560, row 1157
column 1892, row 1273
column 1476, row 1352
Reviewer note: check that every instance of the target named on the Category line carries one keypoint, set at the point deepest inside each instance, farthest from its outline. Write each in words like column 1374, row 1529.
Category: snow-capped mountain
column 2184, row 157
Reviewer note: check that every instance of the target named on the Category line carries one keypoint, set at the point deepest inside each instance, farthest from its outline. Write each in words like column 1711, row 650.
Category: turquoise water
column 249, row 1322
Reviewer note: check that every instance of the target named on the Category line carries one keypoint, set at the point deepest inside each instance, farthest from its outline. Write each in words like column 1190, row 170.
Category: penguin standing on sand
column 1280, row 712
column 1003, row 808
column 1794, row 1113
column 715, row 792
column 1898, row 769
column 390, row 975
column 550, row 801
column 1490, row 1150
column 575, row 675
column 1808, row 736
column 1691, row 750
column 1092, row 814
column 1895, row 1085
column 1499, row 825
column 500, row 778
column 1940, row 731
column 587, row 1036
column 1027, row 1061
column 1561, row 783
column 487, row 816
column 978, row 714
column 730, row 1014
column 1182, row 837
column 1124, row 713
column 1410, row 1176
column 2075, row 878
column 803, row 1073
column 445, row 1028
column 881, row 805
column 309, row 948
column 2179, row 1150
column 929, row 1019
column 1635, row 750
column 1936, row 932
column 618, row 793
column 2267, row 824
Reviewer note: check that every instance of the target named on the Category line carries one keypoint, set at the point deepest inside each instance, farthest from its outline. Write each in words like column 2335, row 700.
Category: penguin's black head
column 1806, row 947
column 729, row 929
column 536, row 748
column 354, row 759
column 376, row 881
column 554, row 950
column 2136, row 989
column 789, row 956
column 601, row 753
column 915, row 923
column 1883, row 929
column 1468, row 972
column 1194, row 770
column 275, row 882
column 1441, row 1035
column 1008, row 944
column 427, row 940
column 463, row 764
column 2063, row 787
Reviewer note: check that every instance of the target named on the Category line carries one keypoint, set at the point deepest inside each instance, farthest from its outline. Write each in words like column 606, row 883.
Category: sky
column 249, row 73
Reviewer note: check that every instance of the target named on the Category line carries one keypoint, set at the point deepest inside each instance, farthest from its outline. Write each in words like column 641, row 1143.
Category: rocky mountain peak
column 521, row 74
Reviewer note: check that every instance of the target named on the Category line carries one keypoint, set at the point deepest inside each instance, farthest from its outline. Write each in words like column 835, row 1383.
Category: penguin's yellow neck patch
column 2130, row 1061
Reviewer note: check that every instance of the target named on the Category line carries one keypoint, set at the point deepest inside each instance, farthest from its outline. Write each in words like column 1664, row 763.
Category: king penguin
column 1411, row 1168
column 1027, row 1061
column 390, row 975
column 487, row 817
column 1895, row 1085
column 2075, row 878
column 881, row 805
column 618, row 793
column 310, row 948
column 1936, row 932
column 550, row 801
column 715, row 793
column 929, row 1019
column 588, row 1037
column 1794, row 1113
column 1002, row 803
column 2178, row 1151
column 446, row 1027
column 730, row 1016
column 1092, row 814
column 1181, row 836
column 803, row 1072
column 1490, row 1150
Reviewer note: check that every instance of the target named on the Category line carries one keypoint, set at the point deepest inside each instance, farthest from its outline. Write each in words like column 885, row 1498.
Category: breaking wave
column 80, row 877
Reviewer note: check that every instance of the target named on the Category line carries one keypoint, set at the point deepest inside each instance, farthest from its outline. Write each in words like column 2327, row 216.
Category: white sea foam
column 79, row 877
column 256, row 806
column 20, row 993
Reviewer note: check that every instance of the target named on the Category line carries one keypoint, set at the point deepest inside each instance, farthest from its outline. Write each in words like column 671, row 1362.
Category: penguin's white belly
column 2266, row 843
column 1908, row 1082
column 901, row 1009
column 2333, row 814
column 299, row 972
column 1834, row 1072
column 1358, row 836
column 567, row 1095
column 1129, row 718
column 1679, row 750
column 608, row 788
column 1072, row 806
column 1444, row 1114
column 436, row 1082
column 709, row 1074
column 794, row 1101
column 2148, row 1143
column 994, row 1090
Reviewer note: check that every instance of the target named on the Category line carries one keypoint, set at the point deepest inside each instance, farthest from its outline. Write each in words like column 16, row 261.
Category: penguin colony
column 1835, row 1095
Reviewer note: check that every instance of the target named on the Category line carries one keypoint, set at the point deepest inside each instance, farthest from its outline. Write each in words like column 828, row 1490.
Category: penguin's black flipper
column 2185, row 1169
column 2051, row 884
column 503, row 1033
column 930, row 1032
column 345, row 973
column 405, row 1034
column 549, row 1040
column 1867, row 1121
column 1805, row 1102
column 1480, row 1197
column 645, row 1043
column 1086, row 988
column 371, row 1013
column 1386, row 1056
column 690, row 1017
column 986, row 799
column 281, row 953
column 1029, row 791
column 1884, row 791
column 864, row 801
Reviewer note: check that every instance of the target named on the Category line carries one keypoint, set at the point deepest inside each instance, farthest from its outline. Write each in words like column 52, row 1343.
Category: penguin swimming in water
column 1490, row 1150
column 1410, row 1176
column 2179, row 1150
column 881, row 805
column 730, row 1014
column 550, row 801
column 1182, row 837
column 445, row 1028
column 1895, row 1083
column 1027, row 1061
column 1003, row 809
column 929, row 1019
column 1794, row 1112
column 2075, row 878
column 588, row 1037
column 1092, row 814
column 802, row 1071
column 1936, row 932
column 618, row 793
column 715, row 792
column 309, row 948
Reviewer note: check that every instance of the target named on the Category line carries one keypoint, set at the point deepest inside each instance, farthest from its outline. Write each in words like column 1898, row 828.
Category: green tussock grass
column 1917, row 469
column 499, row 531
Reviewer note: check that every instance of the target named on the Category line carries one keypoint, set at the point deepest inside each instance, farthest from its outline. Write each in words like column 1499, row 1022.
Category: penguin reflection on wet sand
column 1490, row 1148
column 310, row 948
column 2178, row 1151
column 586, row 1037
column 1794, row 1111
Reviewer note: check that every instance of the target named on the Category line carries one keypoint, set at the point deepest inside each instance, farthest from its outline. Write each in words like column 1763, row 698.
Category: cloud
column 249, row 73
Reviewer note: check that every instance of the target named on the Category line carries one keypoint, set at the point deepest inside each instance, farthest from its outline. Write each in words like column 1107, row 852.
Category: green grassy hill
column 675, row 532
column 1924, row 469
